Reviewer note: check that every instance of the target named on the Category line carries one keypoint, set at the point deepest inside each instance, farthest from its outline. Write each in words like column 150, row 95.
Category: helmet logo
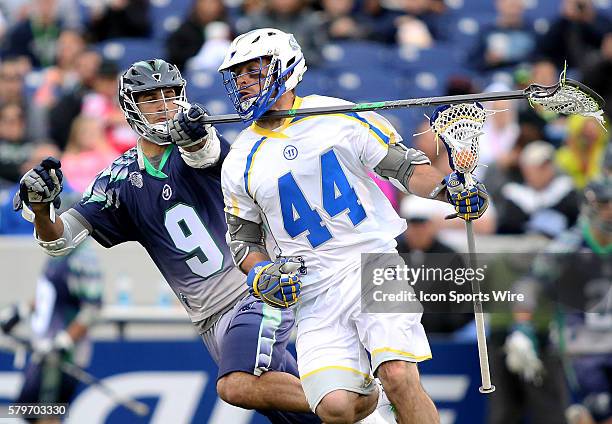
column 290, row 152
column 293, row 43
column 156, row 76
column 166, row 192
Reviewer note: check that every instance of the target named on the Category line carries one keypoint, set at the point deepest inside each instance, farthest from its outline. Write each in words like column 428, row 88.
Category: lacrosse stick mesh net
column 460, row 127
column 571, row 98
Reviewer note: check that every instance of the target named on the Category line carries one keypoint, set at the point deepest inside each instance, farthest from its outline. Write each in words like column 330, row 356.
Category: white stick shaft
column 84, row 377
column 481, row 337
column 469, row 180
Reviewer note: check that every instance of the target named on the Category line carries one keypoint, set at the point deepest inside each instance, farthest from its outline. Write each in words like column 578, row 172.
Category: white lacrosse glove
column 61, row 343
column 522, row 355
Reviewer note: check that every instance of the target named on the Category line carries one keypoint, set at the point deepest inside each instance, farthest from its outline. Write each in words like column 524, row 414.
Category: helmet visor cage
column 270, row 88
column 249, row 106
column 144, row 123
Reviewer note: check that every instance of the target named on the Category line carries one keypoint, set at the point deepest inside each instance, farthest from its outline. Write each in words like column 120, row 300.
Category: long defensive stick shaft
column 362, row 107
column 84, row 377
column 483, row 354
column 481, row 337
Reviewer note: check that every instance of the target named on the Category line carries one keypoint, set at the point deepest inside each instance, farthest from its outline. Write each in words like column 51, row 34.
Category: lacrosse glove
column 471, row 203
column 12, row 315
column 521, row 349
column 187, row 127
column 59, row 345
column 276, row 283
column 42, row 184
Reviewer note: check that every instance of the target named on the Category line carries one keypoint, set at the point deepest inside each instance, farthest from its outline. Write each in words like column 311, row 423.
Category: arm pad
column 244, row 237
column 398, row 166
column 74, row 233
column 207, row 156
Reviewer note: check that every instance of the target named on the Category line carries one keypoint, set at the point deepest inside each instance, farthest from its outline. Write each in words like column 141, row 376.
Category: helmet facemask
column 271, row 88
column 151, row 76
column 139, row 120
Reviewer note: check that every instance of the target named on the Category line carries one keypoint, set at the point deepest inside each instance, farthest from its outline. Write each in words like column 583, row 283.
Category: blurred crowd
column 58, row 90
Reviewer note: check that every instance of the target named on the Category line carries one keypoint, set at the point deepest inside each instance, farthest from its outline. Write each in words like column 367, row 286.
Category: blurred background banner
column 176, row 379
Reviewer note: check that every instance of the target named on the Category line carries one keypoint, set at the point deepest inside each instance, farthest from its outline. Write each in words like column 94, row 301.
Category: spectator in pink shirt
column 87, row 152
column 102, row 104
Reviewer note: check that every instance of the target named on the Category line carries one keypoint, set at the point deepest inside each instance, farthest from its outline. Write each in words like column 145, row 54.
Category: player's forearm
column 424, row 180
column 45, row 228
column 251, row 260
column 76, row 331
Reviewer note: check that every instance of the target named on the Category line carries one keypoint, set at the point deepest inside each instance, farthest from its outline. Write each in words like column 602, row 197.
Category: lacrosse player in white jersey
column 307, row 179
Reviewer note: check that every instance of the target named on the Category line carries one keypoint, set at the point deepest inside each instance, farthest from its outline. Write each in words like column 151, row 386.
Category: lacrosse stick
column 567, row 97
column 137, row 407
column 460, row 127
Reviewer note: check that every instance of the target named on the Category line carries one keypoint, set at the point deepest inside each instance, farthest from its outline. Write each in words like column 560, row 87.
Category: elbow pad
column 244, row 237
column 397, row 167
column 74, row 233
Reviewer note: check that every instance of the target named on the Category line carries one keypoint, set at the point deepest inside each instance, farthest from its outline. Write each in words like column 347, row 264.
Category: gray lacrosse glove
column 187, row 128
column 41, row 184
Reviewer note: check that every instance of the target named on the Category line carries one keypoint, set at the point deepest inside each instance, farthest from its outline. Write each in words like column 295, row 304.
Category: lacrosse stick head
column 459, row 127
column 568, row 97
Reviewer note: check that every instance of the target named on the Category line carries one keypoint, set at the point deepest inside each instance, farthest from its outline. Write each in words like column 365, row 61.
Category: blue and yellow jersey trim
column 249, row 164
column 278, row 132
column 379, row 130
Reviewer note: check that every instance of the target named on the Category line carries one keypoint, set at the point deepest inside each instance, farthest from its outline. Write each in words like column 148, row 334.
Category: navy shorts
column 46, row 383
column 253, row 338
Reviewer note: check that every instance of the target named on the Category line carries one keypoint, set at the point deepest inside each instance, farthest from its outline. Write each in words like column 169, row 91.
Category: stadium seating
column 167, row 15
column 355, row 55
column 126, row 51
column 317, row 81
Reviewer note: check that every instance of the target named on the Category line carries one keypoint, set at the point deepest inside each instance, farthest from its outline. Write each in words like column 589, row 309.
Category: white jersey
column 307, row 182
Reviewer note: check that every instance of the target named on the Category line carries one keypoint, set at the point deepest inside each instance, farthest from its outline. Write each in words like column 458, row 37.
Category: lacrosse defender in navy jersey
column 68, row 300
column 166, row 195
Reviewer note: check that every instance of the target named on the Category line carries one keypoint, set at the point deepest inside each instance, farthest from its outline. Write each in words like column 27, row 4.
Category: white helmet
column 285, row 71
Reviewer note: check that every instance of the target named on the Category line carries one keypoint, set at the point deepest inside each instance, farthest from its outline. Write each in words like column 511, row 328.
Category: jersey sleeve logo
column 136, row 179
